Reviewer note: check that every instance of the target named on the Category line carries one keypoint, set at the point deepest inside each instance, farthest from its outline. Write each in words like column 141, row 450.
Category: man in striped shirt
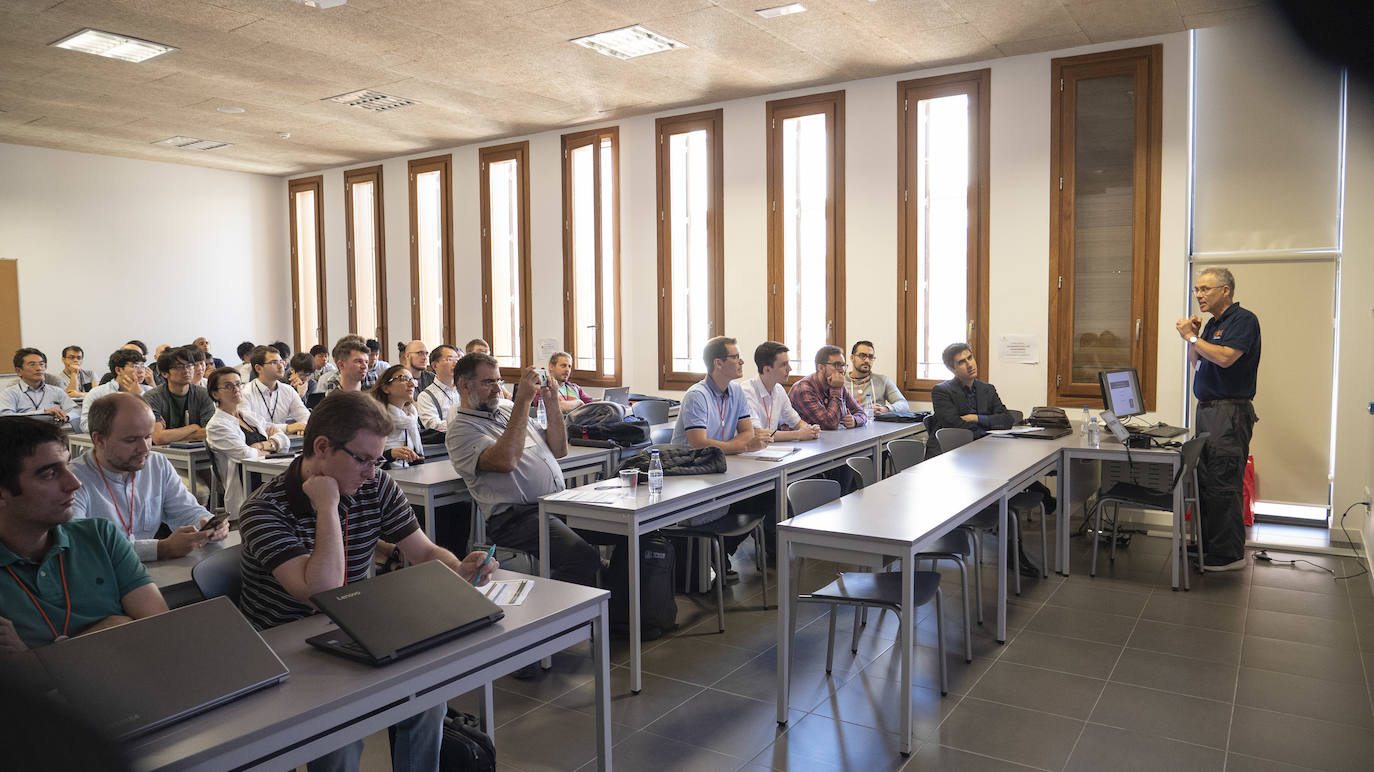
column 314, row 528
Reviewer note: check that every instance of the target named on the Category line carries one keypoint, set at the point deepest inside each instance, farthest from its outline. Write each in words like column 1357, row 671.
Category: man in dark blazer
column 964, row 402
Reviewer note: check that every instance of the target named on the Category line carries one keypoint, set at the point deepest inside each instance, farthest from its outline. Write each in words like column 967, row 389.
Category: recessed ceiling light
column 283, row 135
column 230, row 110
column 112, row 46
column 322, row 3
column 191, row 143
column 780, row 10
column 628, row 42
column 374, row 101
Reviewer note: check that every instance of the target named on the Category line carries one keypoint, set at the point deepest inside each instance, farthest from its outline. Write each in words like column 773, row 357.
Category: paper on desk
column 507, row 592
column 589, row 494
column 774, row 453
column 1014, row 430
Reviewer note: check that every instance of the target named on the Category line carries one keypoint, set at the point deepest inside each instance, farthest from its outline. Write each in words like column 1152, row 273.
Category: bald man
column 415, row 356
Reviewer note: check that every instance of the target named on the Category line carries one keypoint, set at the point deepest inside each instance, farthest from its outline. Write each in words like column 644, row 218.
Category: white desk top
column 167, row 573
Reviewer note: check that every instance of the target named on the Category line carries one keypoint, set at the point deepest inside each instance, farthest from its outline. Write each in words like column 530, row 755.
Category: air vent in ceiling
column 191, row 143
column 374, row 101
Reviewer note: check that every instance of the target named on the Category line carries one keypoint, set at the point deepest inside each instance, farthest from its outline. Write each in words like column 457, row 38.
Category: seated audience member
column 125, row 482
column 479, row 346
column 235, row 433
column 211, row 360
column 65, row 577
column 77, row 380
column 821, row 399
column 769, row 408
column 964, row 402
column 202, row 362
column 302, row 377
column 274, row 405
column 181, row 409
column 33, row 396
column 415, row 357
column 508, row 461
column 150, row 374
column 314, row 528
column 320, row 353
column 436, row 402
column 862, row 382
column 350, row 360
column 375, row 363
column 128, row 370
column 570, row 395
column 245, row 367
column 283, row 349
column 395, row 392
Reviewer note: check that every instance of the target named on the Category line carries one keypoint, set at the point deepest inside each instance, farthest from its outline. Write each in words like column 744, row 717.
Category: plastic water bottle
column 655, row 474
column 868, row 405
column 1094, row 432
column 541, row 416
column 1087, row 416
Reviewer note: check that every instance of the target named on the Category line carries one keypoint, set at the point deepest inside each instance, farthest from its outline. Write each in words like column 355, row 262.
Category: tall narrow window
column 431, row 249
column 1104, row 220
column 806, row 224
column 591, row 254
column 307, row 261
column 366, row 253
column 505, row 190
column 691, row 303
column 942, row 238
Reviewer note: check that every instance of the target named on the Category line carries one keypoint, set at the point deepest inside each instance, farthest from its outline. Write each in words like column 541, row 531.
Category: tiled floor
column 1263, row 669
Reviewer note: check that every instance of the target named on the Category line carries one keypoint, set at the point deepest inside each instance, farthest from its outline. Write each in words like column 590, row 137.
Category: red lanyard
column 723, row 406
column 129, row 526
column 767, row 403
column 67, row 597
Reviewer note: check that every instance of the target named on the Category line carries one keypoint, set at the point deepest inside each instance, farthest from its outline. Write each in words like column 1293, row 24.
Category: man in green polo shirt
column 58, row 577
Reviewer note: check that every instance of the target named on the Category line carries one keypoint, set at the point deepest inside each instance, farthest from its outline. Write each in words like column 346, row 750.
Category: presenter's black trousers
column 1221, row 474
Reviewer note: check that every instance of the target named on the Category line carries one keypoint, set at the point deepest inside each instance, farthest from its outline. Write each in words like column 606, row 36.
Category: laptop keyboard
column 344, row 642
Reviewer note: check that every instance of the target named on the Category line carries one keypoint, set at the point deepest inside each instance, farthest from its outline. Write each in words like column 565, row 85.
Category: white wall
column 111, row 249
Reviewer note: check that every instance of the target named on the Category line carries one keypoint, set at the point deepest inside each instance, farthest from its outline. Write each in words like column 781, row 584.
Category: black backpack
column 657, row 607
column 465, row 748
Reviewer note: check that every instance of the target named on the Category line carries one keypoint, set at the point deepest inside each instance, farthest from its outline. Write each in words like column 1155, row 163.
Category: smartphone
column 214, row 522
column 543, row 376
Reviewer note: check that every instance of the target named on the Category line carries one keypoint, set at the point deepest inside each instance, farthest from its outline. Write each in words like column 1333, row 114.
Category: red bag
column 1249, row 490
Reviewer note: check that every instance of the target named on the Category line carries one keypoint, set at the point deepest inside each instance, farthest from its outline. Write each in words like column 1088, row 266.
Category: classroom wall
column 111, row 249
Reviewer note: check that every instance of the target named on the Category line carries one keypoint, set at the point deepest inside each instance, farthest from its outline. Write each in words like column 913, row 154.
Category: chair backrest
column 805, row 495
column 1191, row 452
column 953, row 438
column 932, row 444
column 219, row 574
column 863, row 467
column 655, row 411
column 1016, row 416
column 906, row 453
column 661, row 436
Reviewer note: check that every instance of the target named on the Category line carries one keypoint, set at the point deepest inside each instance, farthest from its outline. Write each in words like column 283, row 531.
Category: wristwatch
column 1192, row 339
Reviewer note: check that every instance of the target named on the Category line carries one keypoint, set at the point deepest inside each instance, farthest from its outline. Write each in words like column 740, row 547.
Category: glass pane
column 429, row 240
column 688, row 193
column 365, row 258
column 942, row 182
column 309, row 311
column 1104, row 205
column 503, row 180
column 608, row 268
column 804, row 248
column 584, row 256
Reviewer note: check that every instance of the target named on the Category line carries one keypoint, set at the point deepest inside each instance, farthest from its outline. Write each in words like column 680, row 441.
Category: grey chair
column 863, row 468
column 906, row 453
column 1133, row 495
column 220, row 574
column 661, row 436
column 655, row 411
column 715, row 533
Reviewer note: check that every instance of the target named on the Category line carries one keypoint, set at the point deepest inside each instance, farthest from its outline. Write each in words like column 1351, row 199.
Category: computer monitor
column 1121, row 392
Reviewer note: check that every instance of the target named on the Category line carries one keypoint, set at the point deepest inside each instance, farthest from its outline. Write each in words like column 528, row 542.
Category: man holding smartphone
column 123, row 481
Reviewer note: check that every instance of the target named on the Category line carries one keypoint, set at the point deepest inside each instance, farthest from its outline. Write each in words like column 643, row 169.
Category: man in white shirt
column 123, row 481
column 267, row 398
column 415, row 356
column 129, row 370
column 33, row 396
column 769, row 408
column 441, row 396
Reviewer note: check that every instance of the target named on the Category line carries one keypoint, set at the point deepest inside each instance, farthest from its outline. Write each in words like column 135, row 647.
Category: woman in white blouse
column 234, row 435
column 395, row 389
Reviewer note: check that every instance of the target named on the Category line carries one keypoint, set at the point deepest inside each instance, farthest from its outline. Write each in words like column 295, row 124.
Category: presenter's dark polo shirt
column 1237, row 328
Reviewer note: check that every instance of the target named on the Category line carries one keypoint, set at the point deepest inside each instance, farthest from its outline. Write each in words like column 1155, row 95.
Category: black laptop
column 1042, row 432
column 134, row 678
column 397, row 614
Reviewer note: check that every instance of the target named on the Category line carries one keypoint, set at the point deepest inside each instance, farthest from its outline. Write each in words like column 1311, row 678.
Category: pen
column 480, row 566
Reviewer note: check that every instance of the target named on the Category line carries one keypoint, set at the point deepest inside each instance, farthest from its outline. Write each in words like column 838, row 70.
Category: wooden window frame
column 520, row 153
column 977, row 84
column 372, row 174
column 604, row 306
column 831, row 104
column 444, row 165
column 1146, row 64
column 315, row 184
column 712, row 122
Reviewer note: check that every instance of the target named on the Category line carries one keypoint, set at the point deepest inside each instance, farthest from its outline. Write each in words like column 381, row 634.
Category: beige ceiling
column 480, row 69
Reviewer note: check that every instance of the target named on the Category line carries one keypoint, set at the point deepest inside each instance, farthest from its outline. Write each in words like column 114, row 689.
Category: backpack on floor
column 465, row 747
column 657, row 607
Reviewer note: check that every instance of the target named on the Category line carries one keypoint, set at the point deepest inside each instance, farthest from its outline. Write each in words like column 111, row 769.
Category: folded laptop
column 1042, row 432
column 397, row 614
column 135, row 678
column 617, row 394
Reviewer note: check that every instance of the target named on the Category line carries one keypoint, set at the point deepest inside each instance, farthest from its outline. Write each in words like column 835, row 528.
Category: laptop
column 1042, row 432
column 617, row 394
column 1162, row 431
column 135, row 678
column 397, row 614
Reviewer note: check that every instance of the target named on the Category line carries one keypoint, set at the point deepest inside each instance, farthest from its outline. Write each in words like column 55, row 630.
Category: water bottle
column 541, row 416
column 1094, row 432
column 868, row 405
column 655, row 474
column 1087, row 416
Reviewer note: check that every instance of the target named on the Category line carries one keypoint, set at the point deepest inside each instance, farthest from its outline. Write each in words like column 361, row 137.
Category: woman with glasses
column 395, row 389
column 233, row 435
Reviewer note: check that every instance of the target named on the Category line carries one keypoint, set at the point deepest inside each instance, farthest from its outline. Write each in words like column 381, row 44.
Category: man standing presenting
column 265, row 396
column 570, row 395
column 863, row 382
column 769, row 408
column 33, row 396
column 1226, row 353
column 821, row 397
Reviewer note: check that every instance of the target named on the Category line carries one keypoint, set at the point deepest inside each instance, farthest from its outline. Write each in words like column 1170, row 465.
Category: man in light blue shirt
column 33, row 396
column 714, row 411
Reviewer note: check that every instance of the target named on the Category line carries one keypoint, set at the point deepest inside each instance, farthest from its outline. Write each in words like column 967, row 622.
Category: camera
column 543, row 376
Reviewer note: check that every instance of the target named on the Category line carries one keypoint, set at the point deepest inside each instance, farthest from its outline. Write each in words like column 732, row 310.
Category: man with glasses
column 415, row 356
column 821, row 399
column 78, row 380
column 33, row 396
column 1226, row 355
column 438, row 399
column 181, row 409
column 862, row 383
column 127, row 366
column 314, row 528
column 265, row 396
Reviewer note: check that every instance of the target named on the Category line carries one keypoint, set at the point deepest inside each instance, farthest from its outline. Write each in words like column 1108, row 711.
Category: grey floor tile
column 1302, row 741
column 1302, row 659
column 633, row 711
column 1164, row 714
column 696, row 661
column 1345, row 703
column 1024, row 736
column 1364, row 632
column 1067, row 655
column 1047, row 691
column 1125, row 751
column 1300, row 577
column 1086, row 625
column 1312, row 604
column 758, row 679
column 1363, row 608
column 571, row 668
column 925, row 668
column 876, row 702
column 642, row 750
column 1184, row 609
column 1232, row 589
column 1106, row 601
column 932, row 757
column 754, row 630
column 1194, row 677
column 829, row 742
column 524, row 743
column 725, row 723
column 808, row 649
column 1194, row 642
column 1302, row 629
column 1239, row 762
column 509, row 705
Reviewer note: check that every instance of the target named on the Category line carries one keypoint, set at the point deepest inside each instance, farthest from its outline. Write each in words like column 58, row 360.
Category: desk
column 169, row 574
column 329, row 701
column 190, row 461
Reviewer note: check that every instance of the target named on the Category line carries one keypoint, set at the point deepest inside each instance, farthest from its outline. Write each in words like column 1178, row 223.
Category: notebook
column 132, row 679
column 397, row 614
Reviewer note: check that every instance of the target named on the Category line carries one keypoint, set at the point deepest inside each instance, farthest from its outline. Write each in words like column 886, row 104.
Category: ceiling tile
column 1105, row 20
column 1036, row 45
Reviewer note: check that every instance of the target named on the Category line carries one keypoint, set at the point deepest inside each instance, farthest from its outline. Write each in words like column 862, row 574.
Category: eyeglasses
column 867, row 357
column 487, row 383
column 405, row 378
column 229, row 387
column 372, row 462
column 836, row 365
column 1203, row 290
column 186, row 366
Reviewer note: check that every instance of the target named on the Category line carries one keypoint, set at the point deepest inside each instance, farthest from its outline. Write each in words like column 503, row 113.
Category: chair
column 932, row 444
column 906, row 453
column 1134, row 495
column 661, row 436
column 220, row 574
column 655, row 411
column 863, row 467
column 715, row 533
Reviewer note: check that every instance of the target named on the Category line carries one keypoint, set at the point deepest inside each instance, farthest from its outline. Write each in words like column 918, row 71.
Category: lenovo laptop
column 397, row 614
column 134, row 678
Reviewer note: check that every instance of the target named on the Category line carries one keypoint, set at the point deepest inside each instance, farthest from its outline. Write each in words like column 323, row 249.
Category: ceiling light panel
column 781, row 10
column 628, row 42
column 191, row 143
column 113, row 46
column 373, row 101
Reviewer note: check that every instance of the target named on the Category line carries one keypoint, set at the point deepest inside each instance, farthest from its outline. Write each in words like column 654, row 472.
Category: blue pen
column 480, row 566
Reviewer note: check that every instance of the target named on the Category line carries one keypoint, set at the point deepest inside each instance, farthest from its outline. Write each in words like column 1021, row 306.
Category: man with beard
column 863, row 383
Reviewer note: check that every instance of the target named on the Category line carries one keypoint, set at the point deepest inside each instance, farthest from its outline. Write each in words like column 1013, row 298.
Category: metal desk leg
column 786, row 619
column 878, row 460
column 1003, row 535
column 429, row 513
column 547, row 662
column 907, row 640
column 636, row 637
column 601, row 660
column 1063, row 520
column 1176, row 546
column 488, row 709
